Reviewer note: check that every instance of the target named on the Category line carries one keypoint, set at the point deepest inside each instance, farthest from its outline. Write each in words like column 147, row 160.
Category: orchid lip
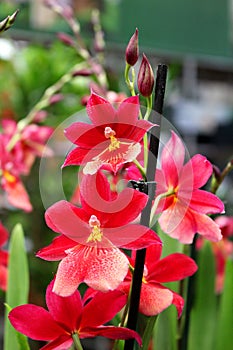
column 96, row 233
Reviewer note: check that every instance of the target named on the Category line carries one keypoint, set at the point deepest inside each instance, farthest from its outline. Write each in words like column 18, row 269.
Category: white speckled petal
column 101, row 268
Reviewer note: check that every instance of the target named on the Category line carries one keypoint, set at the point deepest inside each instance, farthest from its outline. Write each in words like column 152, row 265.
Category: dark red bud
column 132, row 49
column 85, row 72
column 145, row 78
column 217, row 172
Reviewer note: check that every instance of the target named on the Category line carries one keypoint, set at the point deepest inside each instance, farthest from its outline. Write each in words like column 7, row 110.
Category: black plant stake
column 145, row 217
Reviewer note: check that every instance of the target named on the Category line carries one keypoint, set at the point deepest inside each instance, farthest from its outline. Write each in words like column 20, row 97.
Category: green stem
column 148, row 331
column 141, row 169
column 145, row 145
column 156, row 202
column 130, row 83
column 148, row 107
column 218, row 181
column 77, row 343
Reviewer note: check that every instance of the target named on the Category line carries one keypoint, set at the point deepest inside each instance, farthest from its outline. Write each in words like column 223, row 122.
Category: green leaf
column 203, row 314
column 18, row 287
column 165, row 332
column 225, row 320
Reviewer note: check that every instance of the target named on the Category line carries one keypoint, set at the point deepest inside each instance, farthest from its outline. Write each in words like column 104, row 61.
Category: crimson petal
column 35, row 322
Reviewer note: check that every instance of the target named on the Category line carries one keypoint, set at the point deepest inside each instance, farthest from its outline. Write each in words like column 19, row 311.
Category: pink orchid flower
column 10, row 181
column 185, row 208
column 90, row 251
column 154, row 296
column 31, row 143
column 112, row 139
column 71, row 316
column 3, row 258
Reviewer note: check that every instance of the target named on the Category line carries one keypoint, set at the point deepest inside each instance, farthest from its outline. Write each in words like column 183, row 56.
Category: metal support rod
column 145, row 217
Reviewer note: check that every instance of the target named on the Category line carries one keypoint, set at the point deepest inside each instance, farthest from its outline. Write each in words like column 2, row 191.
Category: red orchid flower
column 71, row 316
column 112, row 139
column 10, row 181
column 90, row 251
column 185, row 207
column 3, row 258
column 154, row 296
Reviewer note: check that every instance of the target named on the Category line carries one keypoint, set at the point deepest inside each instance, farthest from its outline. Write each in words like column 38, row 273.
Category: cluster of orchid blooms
column 97, row 240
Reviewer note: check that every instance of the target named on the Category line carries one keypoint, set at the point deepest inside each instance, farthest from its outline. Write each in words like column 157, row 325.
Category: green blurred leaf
column 18, row 287
column 165, row 332
column 203, row 315
column 225, row 320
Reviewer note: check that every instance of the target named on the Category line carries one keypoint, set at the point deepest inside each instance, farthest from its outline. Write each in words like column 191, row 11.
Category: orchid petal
column 128, row 110
column 172, row 159
column 178, row 301
column 206, row 203
column 35, row 322
column 112, row 301
column 78, row 155
column 196, row 172
column 63, row 342
column 56, row 250
column 101, row 269
column 65, row 311
column 173, row 267
column 112, row 332
column 150, row 238
column 85, row 135
column 100, row 110
column 208, row 228
column 154, row 299
column 65, row 218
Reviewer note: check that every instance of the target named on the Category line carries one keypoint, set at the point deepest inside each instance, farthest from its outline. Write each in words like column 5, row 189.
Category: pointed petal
column 172, row 159
column 102, row 308
column 206, row 203
column 154, row 299
column 196, row 172
column 96, row 199
column 129, row 236
column 208, row 228
column 63, row 342
column 17, row 195
column 66, row 311
column 35, row 322
column 85, row 135
column 141, row 128
column 153, row 254
column 99, row 110
column 80, row 156
column 112, row 332
column 65, row 218
column 178, row 301
column 179, row 225
column 128, row 110
column 95, row 193
column 173, row 267
column 56, row 250
column 150, row 238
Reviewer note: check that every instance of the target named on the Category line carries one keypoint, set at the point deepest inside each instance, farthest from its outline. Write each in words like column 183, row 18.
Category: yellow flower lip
column 110, row 134
column 96, row 233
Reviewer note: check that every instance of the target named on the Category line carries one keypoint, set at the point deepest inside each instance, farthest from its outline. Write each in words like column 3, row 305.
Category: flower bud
column 66, row 39
column 132, row 50
column 145, row 78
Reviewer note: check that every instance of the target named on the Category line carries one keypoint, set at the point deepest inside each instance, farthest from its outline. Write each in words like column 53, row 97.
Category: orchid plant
column 133, row 227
